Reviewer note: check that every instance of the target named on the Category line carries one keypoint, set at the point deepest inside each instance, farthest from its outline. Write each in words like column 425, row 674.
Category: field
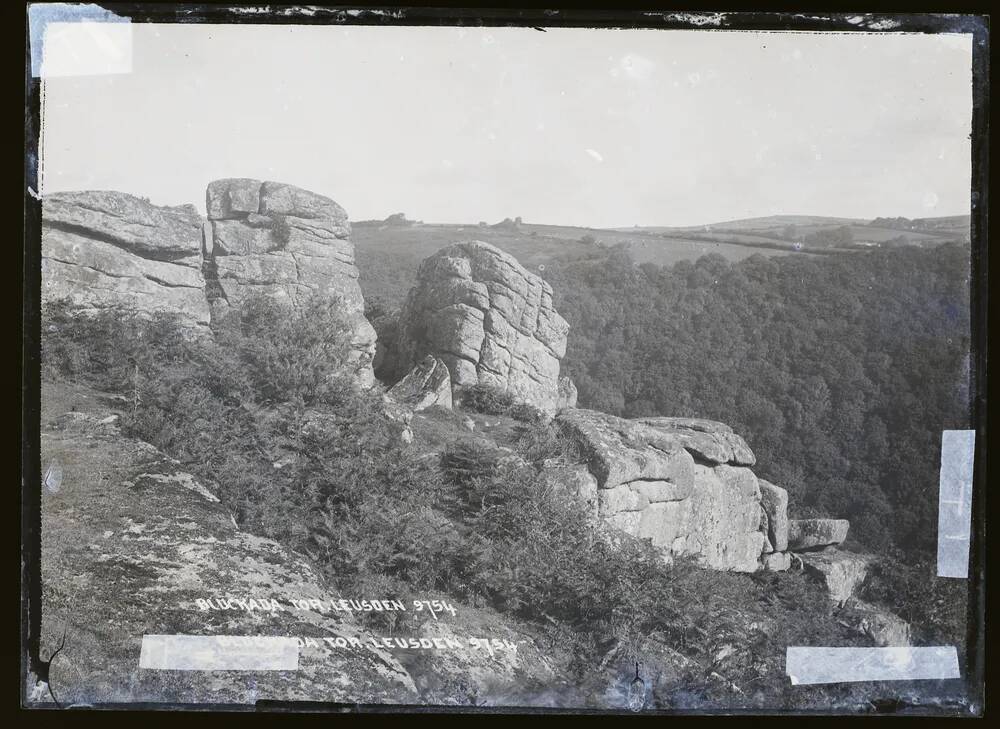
column 388, row 255
column 759, row 230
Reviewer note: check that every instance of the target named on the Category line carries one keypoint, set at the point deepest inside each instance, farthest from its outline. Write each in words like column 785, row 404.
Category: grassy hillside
column 307, row 461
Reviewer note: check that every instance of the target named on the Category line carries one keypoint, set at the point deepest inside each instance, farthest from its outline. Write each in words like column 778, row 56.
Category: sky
column 589, row 127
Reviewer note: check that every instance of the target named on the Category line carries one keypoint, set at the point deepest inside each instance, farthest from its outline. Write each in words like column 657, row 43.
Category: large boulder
column 807, row 534
column 489, row 320
column 287, row 243
column 655, row 482
column 623, row 450
column 884, row 628
column 130, row 543
column 428, row 384
column 840, row 572
column 103, row 249
column 706, row 439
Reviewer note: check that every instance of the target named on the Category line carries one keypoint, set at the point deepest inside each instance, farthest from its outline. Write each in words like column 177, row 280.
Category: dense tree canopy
column 841, row 371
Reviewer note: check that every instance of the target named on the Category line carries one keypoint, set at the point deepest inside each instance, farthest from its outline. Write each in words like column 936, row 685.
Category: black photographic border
column 32, row 662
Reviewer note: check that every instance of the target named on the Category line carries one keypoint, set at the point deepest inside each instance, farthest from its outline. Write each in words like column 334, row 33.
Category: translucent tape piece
column 955, row 502
column 809, row 665
column 78, row 40
column 219, row 653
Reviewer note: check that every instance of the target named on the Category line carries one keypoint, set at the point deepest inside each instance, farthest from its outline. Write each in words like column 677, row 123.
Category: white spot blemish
column 595, row 154
column 635, row 67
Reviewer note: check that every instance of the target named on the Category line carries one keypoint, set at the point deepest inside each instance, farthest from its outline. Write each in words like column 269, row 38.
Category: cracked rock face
column 774, row 499
column 287, row 243
column 681, row 483
column 489, row 320
column 102, row 249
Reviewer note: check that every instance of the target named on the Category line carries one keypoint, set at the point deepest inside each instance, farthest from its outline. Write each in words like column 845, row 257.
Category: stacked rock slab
column 840, row 572
column 427, row 385
column 810, row 534
column 287, row 243
column 102, row 249
column 682, row 483
column 490, row 321
column 815, row 543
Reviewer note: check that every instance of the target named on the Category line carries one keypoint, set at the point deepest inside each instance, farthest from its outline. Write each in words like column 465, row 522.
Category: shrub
column 290, row 355
column 526, row 413
column 935, row 607
column 541, row 442
column 105, row 347
column 487, row 399
column 494, row 401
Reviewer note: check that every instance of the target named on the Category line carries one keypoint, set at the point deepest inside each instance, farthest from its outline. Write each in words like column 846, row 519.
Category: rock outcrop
column 287, row 243
column 131, row 543
column 683, row 484
column 774, row 499
column 509, row 224
column 881, row 626
column 480, row 675
column 841, row 572
column 102, row 249
column 807, row 534
column 489, row 320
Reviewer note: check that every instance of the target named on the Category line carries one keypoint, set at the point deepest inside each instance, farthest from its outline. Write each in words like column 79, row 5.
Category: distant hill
column 388, row 255
column 949, row 223
column 789, row 227
column 764, row 223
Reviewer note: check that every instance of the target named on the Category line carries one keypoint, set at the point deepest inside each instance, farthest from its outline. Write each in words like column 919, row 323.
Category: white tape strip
column 76, row 39
column 86, row 49
column 955, row 502
column 219, row 653
column 808, row 665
